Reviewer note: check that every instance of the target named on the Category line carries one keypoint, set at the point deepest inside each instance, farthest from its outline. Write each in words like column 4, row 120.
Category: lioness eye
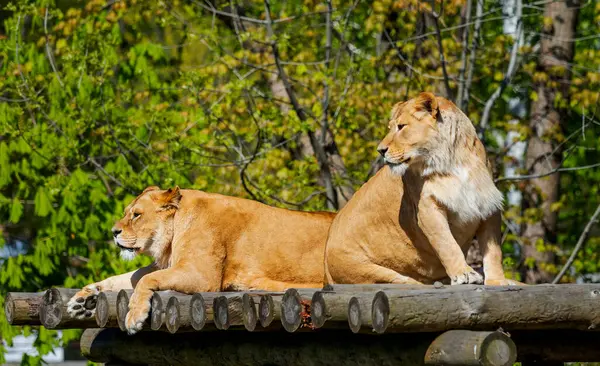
column 136, row 215
column 401, row 127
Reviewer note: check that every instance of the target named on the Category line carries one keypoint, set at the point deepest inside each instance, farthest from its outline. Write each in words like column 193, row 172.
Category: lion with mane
column 413, row 222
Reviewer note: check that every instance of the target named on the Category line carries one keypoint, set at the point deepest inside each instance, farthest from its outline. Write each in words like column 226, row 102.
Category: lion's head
column 423, row 134
column 147, row 223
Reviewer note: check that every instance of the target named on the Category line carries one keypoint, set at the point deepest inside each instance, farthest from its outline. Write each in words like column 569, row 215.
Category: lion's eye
column 136, row 215
column 400, row 127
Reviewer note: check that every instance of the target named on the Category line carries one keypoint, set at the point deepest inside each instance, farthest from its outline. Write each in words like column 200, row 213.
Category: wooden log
column 249, row 312
column 158, row 307
column 123, row 307
column 330, row 347
column 487, row 308
column 371, row 287
column 468, row 348
column 106, row 310
column 268, row 309
column 228, row 311
column 330, row 307
column 251, row 349
column 176, row 310
column 53, row 311
column 199, row 314
column 23, row 308
column 359, row 313
column 295, row 310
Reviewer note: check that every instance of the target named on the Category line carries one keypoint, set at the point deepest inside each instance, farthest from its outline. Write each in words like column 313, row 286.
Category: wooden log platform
column 436, row 317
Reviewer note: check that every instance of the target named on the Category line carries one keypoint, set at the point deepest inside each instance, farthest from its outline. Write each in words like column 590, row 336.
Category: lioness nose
column 116, row 231
column 382, row 150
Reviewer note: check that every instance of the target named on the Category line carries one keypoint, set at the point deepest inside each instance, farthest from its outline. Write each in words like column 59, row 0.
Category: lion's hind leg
column 371, row 273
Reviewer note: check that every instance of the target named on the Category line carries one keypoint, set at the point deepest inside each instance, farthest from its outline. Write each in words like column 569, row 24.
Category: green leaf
column 16, row 210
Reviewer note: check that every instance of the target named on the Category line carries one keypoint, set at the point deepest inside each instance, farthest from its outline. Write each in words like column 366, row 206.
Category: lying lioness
column 413, row 222
column 209, row 242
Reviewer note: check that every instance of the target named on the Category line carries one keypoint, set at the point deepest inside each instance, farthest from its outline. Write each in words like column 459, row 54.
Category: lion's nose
column 116, row 231
column 382, row 150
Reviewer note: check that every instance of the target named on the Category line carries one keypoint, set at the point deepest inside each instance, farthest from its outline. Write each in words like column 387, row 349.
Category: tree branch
column 582, row 239
column 483, row 124
column 321, row 155
column 467, row 90
column 461, row 73
column 438, row 36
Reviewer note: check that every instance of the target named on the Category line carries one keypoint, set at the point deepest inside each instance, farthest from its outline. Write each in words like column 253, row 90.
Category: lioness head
column 147, row 223
column 413, row 133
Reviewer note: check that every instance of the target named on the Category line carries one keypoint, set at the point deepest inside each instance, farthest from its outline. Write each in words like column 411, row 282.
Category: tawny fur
column 210, row 242
column 414, row 220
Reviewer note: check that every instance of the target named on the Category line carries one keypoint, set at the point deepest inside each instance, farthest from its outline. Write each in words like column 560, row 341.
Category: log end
column 318, row 310
column 102, row 310
column 291, row 310
column 122, row 308
column 380, row 312
column 221, row 313
column 172, row 319
column 354, row 315
column 266, row 310
column 157, row 313
column 249, row 312
column 51, row 312
column 197, row 312
column 9, row 308
column 498, row 350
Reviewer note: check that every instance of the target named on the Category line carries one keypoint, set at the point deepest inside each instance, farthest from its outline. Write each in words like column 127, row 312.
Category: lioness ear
column 170, row 198
column 428, row 103
column 151, row 188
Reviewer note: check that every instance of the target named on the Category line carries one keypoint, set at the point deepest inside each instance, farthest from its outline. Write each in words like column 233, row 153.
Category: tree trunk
column 547, row 119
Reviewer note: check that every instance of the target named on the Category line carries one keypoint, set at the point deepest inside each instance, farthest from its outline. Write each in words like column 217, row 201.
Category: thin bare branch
column 580, row 243
column 460, row 100
column 321, row 155
column 483, row 123
column 49, row 49
column 557, row 170
column 438, row 36
column 466, row 93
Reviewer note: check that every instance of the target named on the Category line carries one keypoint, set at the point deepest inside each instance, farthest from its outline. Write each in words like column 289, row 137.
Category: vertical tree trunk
column 547, row 120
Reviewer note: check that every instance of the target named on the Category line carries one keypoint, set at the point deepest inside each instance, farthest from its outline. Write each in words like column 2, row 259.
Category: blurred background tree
column 282, row 102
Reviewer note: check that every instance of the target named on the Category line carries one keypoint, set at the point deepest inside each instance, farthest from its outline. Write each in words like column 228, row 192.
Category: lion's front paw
column 469, row 277
column 139, row 308
column 503, row 282
column 83, row 304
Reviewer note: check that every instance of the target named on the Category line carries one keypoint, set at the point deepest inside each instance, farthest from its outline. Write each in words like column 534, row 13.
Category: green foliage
column 100, row 100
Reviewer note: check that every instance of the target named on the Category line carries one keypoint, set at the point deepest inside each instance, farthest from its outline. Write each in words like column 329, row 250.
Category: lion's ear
column 151, row 188
column 170, row 198
column 427, row 102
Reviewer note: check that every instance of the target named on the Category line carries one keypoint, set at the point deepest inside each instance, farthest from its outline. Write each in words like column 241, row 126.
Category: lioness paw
column 137, row 314
column 469, row 277
column 83, row 304
column 503, row 282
